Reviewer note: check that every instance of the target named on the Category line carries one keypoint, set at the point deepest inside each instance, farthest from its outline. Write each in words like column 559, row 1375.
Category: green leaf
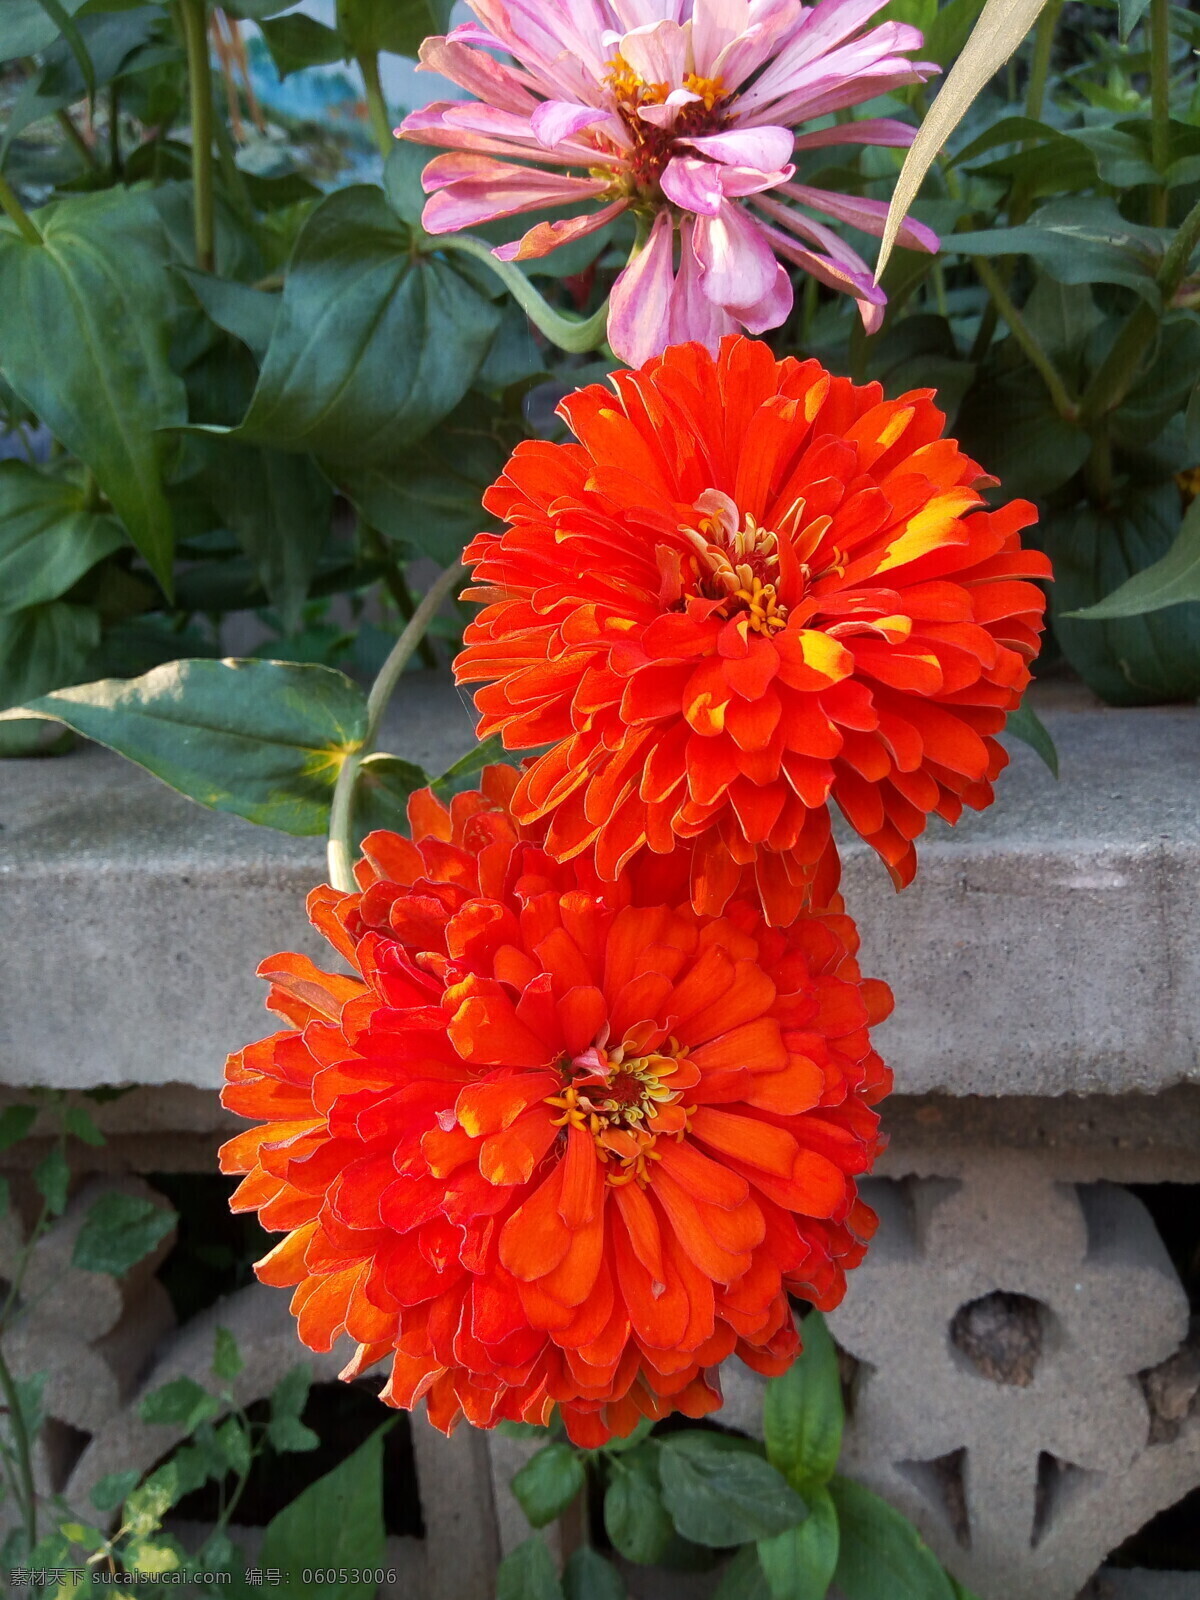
column 299, row 41
column 234, row 1444
column 459, row 775
column 48, row 540
column 588, row 1576
column 291, row 1437
column 119, row 1231
column 246, row 313
column 51, row 1179
column 78, row 1121
column 1076, row 241
column 26, row 27
column 1025, row 724
column 381, row 793
column 881, row 1555
column 1169, row 581
column 1131, row 13
column 227, row 1358
column 44, row 647
column 949, row 31
column 799, row 1564
column 803, row 1414
column 285, row 1430
column 373, row 344
column 398, row 26
column 15, row 1123
column 263, row 739
column 182, row 1403
column 548, row 1482
column 1131, row 657
column 635, row 1518
column 5, row 1197
column 110, row 1491
column 743, row 1578
column 280, row 506
column 719, row 1496
column 1020, row 438
column 527, row 1573
column 94, row 292
column 335, row 1523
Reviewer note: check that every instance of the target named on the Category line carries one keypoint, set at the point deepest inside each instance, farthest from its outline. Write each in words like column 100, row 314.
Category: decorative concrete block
column 461, row 1536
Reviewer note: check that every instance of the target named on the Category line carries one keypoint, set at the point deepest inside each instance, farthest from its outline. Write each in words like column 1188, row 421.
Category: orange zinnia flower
column 749, row 587
column 556, row 1142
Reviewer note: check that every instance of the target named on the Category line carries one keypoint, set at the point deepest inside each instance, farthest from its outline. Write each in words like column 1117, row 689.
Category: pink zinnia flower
column 685, row 112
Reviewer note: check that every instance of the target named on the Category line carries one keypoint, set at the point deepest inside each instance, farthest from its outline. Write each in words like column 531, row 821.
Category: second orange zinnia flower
column 750, row 588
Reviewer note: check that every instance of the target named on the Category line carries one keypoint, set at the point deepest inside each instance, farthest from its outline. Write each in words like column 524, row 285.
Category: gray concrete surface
column 1047, row 947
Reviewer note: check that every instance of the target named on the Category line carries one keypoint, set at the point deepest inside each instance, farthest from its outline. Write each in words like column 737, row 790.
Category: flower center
column 738, row 565
column 626, row 1102
column 654, row 142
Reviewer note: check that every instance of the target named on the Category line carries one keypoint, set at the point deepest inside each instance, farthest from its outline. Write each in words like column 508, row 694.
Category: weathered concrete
column 1047, row 947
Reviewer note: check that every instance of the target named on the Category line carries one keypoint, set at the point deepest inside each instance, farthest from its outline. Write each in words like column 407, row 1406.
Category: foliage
column 781, row 1521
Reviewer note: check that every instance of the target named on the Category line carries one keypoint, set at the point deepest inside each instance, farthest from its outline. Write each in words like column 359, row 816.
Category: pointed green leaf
column 1025, row 724
column 119, row 1231
column 227, row 1358
column 381, row 792
column 94, row 292
column 52, row 1179
column 263, row 739
column 588, row 1576
column 799, row 1563
column 298, row 41
column 548, row 1482
column 335, row 1523
column 527, row 1573
column 48, row 539
column 43, row 647
column 743, row 1578
column 720, row 1496
column 881, row 1555
column 27, row 28
column 1169, row 581
column 803, row 1414
column 635, row 1518
column 248, row 314
column 398, row 26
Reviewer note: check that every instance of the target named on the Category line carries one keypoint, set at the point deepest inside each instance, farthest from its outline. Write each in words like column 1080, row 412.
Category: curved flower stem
column 1160, row 105
column 1066, row 407
column 381, row 122
column 195, row 31
column 567, row 333
column 340, row 853
column 17, row 212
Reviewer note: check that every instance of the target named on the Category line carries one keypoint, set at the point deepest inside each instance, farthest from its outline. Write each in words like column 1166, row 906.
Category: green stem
column 17, row 212
column 1066, row 407
column 195, row 28
column 381, row 122
column 114, row 134
column 234, row 178
column 1160, row 104
column 75, row 138
column 566, row 332
column 23, row 1450
column 341, row 815
column 1043, row 52
column 396, row 584
column 1116, row 374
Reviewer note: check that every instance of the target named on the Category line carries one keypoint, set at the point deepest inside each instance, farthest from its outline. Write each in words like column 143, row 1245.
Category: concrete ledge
column 1047, row 947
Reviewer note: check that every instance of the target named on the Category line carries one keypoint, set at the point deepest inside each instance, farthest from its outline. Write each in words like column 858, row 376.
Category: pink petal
column 765, row 149
column 738, row 182
column 773, row 309
column 739, row 269
column 641, row 298
column 640, row 13
column 834, row 274
column 693, row 184
column 479, row 74
column 547, row 236
column 474, row 200
column 871, row 130
column 657, row 52
column 769, row 22
column 867, row 215
column 557, row 120
column 693, row 315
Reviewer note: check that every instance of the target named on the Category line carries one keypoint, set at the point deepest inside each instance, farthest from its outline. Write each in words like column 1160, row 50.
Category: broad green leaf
column 118, row 1231
column 1135, row 655
column 248, row 314
column 881, row 1555
column 635, row 1518
column 336, row 1522
column 298, row 41
column 110, row 1491
column 48, row 538
column 263, row 739
column 949, row 31
column 399, row 26
column 1009, row 422
column 52, row 1179
column 1162, row 390
column 182, row 1403
column 527, row 1573
column 803, row 1414
column 1076, row 241
column 1169, row 581
column 1131, row 13
column 43, row 647
column 373, row 345
column 1025, row 724
column 95, row 294
column 799, row 1563
column 457, row 776
column 548, row 1482
column 381, row 792
column 280, row 506
column 234, row 1444
column 15, row 1123
column 26, row 27
column 290, row 1436
column 719, row 1496
column 743, row 1578
column 588, row 1576
column 1002, row 26
column 285, row 1430
column 78, row 1121
column 227, row 1358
